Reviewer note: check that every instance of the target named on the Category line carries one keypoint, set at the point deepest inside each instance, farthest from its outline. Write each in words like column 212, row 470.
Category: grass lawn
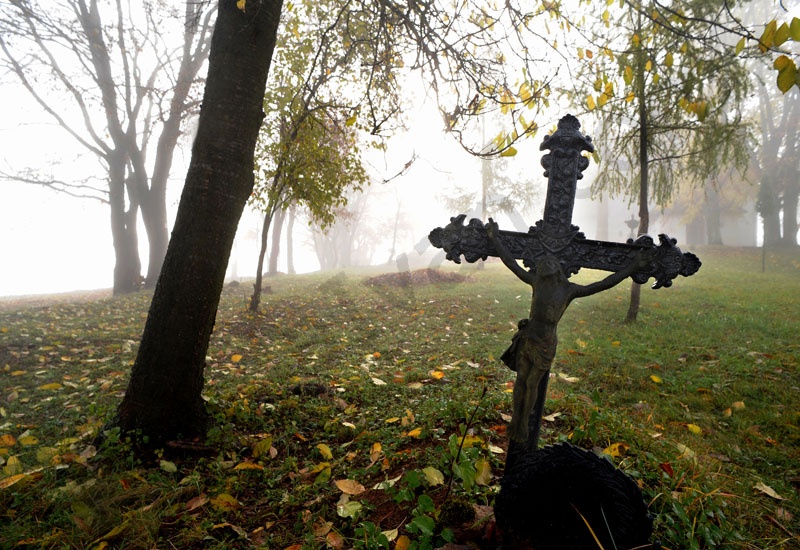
column 351, row 416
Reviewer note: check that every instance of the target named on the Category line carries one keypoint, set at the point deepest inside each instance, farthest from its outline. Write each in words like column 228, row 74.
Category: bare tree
column 120, row 80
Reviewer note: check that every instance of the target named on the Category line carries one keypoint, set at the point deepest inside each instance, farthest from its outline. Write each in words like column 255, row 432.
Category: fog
column 50, row 242
column 53, row 243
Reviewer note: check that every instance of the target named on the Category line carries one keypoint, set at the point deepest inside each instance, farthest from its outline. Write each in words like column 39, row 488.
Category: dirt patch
column 418, row 277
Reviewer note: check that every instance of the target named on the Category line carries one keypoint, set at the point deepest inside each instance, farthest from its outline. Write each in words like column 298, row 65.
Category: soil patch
column 418, row 277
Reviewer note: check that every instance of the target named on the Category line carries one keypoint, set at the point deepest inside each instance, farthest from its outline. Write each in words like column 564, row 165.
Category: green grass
column 703, row 393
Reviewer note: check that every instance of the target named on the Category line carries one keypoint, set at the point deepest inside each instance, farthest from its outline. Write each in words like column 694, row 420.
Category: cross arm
column 472, row 242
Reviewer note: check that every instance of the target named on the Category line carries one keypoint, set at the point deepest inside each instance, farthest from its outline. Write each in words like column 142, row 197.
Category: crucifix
column 552, row 251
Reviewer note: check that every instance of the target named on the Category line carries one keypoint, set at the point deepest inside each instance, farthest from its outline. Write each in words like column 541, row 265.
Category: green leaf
column 740, row 45
column 628, row 75
column 168, row 466
column 510, row 152
column 423, row 525
column 768, row 36
column 782, row 34
column 787, row 76
column 794, row 29
column 425, row 504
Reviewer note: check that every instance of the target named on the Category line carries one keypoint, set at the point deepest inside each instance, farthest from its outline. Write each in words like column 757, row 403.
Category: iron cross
column 553, row 250
column 555, row 235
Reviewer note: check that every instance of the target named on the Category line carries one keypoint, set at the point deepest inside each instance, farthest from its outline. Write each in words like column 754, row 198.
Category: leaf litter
column 268, row 468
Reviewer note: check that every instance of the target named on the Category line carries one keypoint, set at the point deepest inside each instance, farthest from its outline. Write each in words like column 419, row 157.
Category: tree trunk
column 290, row 241
column 127, row 266
column 163, row 399
column 644, row 211
column 255, row 299
column 713, row 218
column 275, row 250
column 791, row 195
column 769, row 207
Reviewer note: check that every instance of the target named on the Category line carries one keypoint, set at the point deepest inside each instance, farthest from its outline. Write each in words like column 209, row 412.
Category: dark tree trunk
column 163, row 399
column 275, row 250
column 255, row 299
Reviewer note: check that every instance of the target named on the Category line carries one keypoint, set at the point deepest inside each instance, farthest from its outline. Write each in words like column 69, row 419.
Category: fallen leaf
column 348, row 509
column 551, row 417
column 767, row 490
column 416, row 432
column 695, row 429
column 566, row 378
column 323, row 476
column 737, row 405
column 248, row 466
column 46, row 455
column 225, row 502
column 433, row 476
column 115, row 532
column 656, row 378
column 403, row 543
column 51, row 386
column 375, row 452
column 616, row 450
column 168, row 466
column 437, row 374
column 236, row 357
column 197, row 502
column 322, row 528
column 350, row 486
column 7, row 440
column 11, row 480
column 325, row 451
column 13, row 466
column 483, row 472
column 377, row 381
column 469, row 441
column 383, row 485
column 685, row 451
column 334, row 540
column 262, row 447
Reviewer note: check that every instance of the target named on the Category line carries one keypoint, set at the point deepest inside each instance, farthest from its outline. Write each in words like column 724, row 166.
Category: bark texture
column 163, row 400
